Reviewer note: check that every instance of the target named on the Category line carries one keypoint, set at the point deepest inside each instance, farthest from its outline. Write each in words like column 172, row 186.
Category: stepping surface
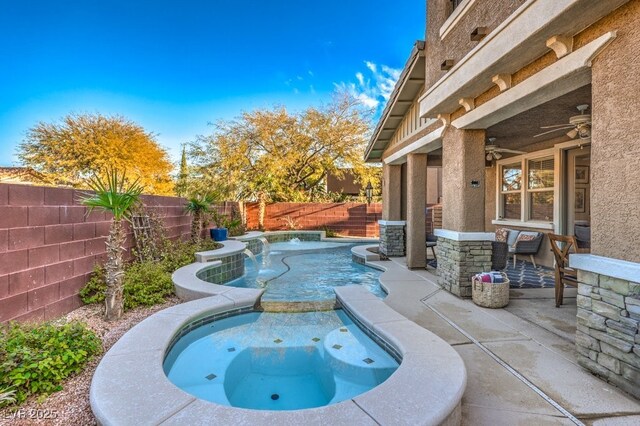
column 495, row 396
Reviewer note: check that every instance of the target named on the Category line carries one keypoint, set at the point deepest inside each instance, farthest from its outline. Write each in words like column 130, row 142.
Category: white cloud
column 374, row 88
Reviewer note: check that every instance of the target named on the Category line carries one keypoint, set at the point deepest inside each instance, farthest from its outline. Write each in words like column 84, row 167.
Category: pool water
column 306, row 271
column 278, row 361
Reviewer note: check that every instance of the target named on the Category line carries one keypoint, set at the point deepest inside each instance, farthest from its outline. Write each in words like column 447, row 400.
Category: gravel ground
column 71, row 406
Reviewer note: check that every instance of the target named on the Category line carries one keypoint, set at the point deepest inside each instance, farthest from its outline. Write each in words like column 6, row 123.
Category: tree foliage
column 281, row 155
column 78, row 146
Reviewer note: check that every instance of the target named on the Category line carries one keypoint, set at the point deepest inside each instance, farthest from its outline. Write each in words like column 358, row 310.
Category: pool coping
column 129, row 385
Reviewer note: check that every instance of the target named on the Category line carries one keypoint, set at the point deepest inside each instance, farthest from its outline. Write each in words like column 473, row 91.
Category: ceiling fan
column 579, row 125
column 495, row 152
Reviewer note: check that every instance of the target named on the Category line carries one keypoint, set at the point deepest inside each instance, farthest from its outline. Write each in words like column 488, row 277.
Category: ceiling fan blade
column 551, row 131
column 510, row 151
column 556, row 125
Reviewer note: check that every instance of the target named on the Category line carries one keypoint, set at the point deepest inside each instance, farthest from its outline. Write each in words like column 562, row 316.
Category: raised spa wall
column 214, row 268
column 229, row 263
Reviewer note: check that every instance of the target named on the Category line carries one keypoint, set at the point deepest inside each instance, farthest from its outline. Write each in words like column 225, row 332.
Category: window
column 540, row 189
column 527, row 190
column 511, row 191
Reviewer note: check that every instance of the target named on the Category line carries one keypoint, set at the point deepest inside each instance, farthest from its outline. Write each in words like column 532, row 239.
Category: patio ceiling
column 517, row 132
column 404, row 93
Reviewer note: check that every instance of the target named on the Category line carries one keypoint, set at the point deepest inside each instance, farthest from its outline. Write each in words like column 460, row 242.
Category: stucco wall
column 457, row 43
column 615, row 150
column 463, row 161
column 490, row 174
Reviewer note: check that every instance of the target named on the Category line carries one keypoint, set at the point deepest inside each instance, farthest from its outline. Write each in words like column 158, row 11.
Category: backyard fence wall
column 49, row 245
column 350, row 219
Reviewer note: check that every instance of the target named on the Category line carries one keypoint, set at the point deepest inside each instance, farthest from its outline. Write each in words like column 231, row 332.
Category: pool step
column 349, row 359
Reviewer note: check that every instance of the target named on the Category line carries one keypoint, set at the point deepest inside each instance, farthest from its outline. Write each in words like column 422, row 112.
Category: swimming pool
column 278, row 361
column 306, row 271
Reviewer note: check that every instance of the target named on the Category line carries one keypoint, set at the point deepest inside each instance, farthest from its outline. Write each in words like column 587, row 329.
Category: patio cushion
column 502, row 234
column 513, row 235
column 525, row 236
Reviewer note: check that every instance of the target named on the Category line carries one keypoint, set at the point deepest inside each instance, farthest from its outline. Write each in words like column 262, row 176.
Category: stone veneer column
column 416, row 205
column 464, row 249
column 392, row 241
column 461, row 256
column 608, row 323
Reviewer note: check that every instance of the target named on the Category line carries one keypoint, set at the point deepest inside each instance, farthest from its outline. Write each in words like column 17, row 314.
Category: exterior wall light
column 369, row 192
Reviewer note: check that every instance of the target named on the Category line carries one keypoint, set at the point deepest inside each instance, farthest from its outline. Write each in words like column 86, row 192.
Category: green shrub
column 149, row 282
column 146, row 284
column 93, row 290
column 35, row 359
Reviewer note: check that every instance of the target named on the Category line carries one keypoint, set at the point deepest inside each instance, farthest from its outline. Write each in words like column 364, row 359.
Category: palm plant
column 113, row 193
column 7, row 396
column 198, row 206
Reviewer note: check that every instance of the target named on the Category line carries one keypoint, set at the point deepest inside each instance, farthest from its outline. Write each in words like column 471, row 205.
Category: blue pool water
column 278, row 361
column 306, row 271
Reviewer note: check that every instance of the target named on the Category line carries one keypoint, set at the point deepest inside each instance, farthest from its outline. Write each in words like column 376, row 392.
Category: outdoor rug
column 524, row 275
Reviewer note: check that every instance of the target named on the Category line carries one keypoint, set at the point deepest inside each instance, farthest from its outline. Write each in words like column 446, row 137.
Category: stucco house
column 532, row 109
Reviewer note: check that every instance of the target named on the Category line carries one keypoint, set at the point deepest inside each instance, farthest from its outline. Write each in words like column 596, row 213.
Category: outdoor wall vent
column 479, row 33
column 446, row 65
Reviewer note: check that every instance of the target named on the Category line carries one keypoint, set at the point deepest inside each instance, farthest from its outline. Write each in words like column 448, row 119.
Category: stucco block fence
column 349, row 219
column 49, row 246
column 608, row 327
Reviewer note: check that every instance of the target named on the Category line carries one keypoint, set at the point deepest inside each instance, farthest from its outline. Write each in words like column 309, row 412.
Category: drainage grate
column 316, row 339
column 275, row 397
column 278, row 341
column 211, row 376
column 231, row 349
column 344, row 330
column 368, row 360
column 337, row 347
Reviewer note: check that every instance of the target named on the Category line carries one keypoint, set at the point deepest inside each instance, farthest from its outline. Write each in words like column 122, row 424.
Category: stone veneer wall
column 458, row 261
column 392, row 242
column 607, row 336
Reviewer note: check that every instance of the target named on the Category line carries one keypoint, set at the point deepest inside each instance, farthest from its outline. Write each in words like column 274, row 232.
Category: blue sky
column 174, row 66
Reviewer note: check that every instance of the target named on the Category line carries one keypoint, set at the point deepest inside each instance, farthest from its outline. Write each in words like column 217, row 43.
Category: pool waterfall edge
column 130, row 385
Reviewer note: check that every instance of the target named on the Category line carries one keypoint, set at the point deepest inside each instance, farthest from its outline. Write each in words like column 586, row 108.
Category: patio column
column 416, row 204
column 392, row 241
column 464, row 249
column 391, row 193
column 463, row 180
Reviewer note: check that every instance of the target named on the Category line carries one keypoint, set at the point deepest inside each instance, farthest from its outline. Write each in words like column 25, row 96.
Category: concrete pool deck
column 507, row 350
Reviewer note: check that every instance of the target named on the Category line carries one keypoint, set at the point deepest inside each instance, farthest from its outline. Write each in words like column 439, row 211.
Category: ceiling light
column 572, row 133
column 489, row 157
column 584, row 132
column 497, row 155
